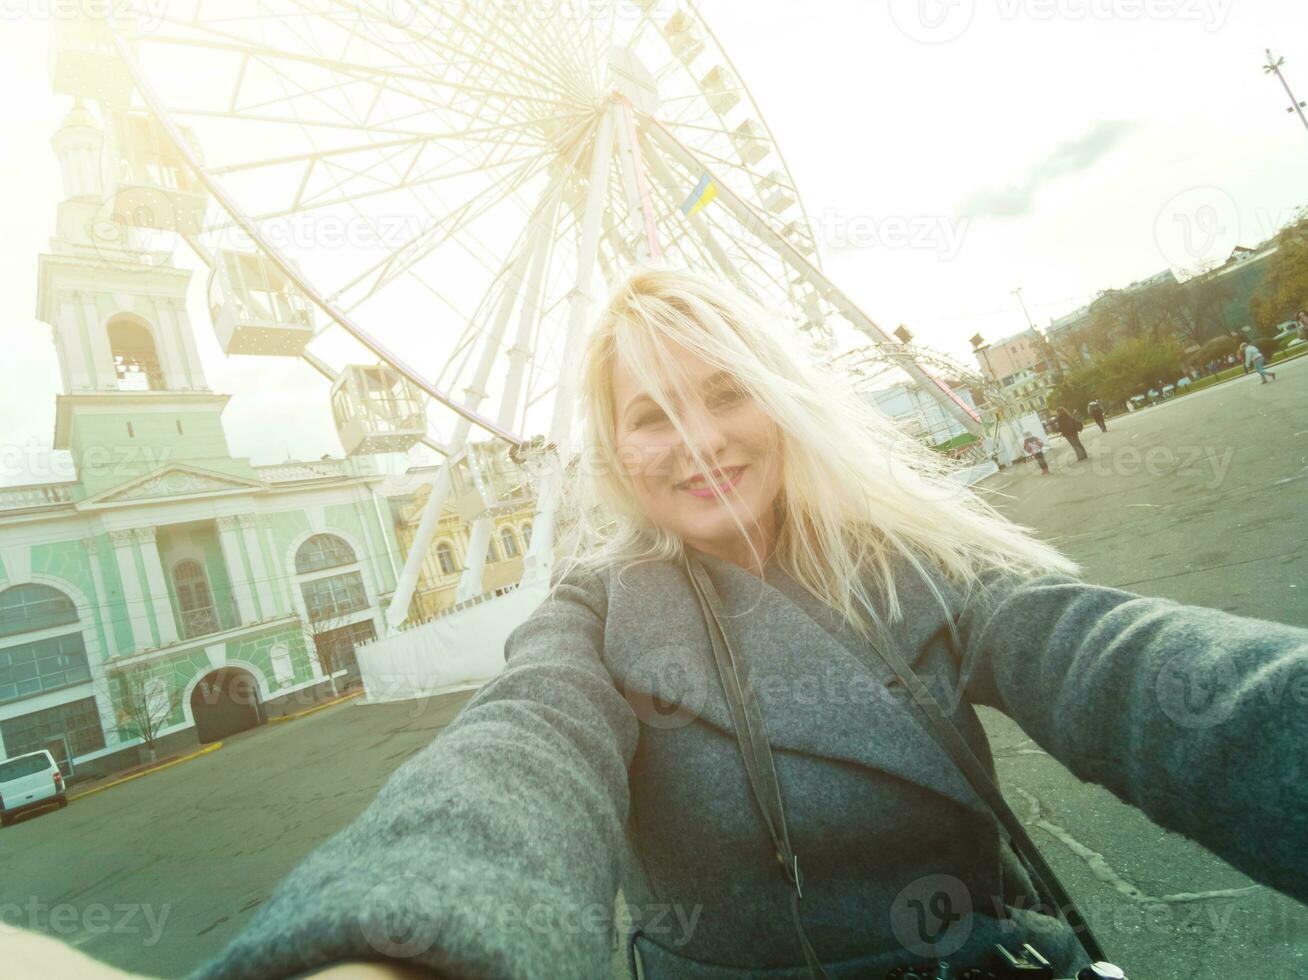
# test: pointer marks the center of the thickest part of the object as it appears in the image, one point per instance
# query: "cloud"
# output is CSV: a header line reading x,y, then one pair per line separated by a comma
x,y
1072,157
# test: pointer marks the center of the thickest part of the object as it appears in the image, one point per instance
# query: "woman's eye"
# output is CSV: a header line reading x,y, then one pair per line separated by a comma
x,y
731,395
650,418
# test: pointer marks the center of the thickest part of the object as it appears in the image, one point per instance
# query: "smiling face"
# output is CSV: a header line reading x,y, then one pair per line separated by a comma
x,y
739,444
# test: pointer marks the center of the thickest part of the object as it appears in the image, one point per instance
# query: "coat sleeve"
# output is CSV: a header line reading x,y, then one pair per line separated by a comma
x,y
495,851
1196,716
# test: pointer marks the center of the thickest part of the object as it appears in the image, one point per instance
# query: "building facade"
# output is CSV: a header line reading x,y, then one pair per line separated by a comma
x,y
173,592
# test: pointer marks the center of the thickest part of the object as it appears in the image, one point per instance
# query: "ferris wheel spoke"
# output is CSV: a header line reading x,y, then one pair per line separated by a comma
x,y
422,244
565,69
362,72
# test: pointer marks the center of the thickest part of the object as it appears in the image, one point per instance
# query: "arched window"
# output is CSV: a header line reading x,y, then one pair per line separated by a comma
x,y
492,552
28,608
323,551
445,555
52,659
509,541
136,362
327,598
526,534
194,600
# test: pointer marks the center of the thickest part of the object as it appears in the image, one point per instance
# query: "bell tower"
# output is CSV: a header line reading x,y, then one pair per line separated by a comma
x,y
134,393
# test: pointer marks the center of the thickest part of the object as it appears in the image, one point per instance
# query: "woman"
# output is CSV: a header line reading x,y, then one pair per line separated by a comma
x,y
604,755
1071,430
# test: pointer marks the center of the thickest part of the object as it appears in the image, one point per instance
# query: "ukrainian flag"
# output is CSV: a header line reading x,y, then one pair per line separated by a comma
x,y
700,198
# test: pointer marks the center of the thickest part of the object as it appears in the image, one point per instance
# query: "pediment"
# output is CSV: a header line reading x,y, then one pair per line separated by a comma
x,y
173,481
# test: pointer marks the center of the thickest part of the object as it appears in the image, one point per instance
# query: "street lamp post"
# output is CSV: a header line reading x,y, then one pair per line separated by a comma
x,y
1273,67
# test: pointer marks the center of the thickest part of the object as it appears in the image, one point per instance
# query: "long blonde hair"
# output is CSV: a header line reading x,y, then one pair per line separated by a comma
x,y
857,491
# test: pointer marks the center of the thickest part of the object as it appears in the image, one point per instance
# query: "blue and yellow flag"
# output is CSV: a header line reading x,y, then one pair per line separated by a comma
x,y
700,198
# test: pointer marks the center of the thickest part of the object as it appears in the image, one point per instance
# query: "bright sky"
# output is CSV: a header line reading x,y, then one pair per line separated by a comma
x,y
948,152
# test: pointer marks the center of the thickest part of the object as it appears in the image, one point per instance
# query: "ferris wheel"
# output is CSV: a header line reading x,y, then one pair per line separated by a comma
x,y
420,199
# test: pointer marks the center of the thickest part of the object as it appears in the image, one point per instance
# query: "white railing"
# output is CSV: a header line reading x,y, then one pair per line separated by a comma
x,y
46,495
291,472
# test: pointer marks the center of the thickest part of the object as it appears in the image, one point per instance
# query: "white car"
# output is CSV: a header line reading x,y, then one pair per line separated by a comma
x,y
29,781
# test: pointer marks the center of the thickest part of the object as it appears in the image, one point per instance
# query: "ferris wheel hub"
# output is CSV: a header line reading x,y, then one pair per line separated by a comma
x,y
632,80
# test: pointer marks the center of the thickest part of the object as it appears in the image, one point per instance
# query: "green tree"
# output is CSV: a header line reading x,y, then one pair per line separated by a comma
x,y
1285,289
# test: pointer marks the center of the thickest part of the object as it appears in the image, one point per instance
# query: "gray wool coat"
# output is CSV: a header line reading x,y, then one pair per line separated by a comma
x,y
604,756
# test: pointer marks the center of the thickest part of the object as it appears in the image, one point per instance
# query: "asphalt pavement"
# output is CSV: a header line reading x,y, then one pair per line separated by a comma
x,y
1202,500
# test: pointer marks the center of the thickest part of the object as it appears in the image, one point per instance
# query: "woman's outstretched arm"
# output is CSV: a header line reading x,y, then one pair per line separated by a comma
x,y
1196,716
496,850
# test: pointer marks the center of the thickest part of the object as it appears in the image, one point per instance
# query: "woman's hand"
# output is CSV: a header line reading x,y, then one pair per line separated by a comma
x,y
27,953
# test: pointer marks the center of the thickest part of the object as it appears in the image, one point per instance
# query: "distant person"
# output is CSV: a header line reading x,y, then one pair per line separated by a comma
x,y
1301,318
1253,356
1036,450
1097,413
1071,430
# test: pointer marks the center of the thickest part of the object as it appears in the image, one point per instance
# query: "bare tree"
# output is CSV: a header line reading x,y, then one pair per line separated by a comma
x,y
146,700
323,648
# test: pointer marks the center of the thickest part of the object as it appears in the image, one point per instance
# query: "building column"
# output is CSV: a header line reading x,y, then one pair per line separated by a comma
x,y
102,358
280,576
104,702
230,542
176,321
134,599
264,596
109,646
158,585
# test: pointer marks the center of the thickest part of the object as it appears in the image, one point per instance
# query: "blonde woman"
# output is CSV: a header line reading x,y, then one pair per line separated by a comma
x,y
606,754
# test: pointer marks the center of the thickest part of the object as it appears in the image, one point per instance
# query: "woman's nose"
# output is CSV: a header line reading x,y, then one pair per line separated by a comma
x,y
704,432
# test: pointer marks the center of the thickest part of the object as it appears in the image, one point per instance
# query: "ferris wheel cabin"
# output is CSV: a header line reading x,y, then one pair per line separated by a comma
x,y
684,37
85,64
256,308
154,187
722,89
750,141
377,410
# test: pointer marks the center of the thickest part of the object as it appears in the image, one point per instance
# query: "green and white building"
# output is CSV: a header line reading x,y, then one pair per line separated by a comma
x,y
171,579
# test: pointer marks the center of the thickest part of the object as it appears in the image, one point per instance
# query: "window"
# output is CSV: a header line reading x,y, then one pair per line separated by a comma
x,y
510,542
445,555
28,608
78,721
136,362
43,665
28,765
194,600
333,596
323,551
526,534
492,553
335,648
262,292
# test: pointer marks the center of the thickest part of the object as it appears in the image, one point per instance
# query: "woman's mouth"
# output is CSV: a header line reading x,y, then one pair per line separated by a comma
x,y
703,489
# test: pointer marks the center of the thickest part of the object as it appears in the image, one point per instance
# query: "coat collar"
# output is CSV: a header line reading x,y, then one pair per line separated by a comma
x,y
822,690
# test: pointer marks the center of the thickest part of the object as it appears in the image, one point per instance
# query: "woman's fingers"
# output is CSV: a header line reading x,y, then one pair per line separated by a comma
x,y
27,953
